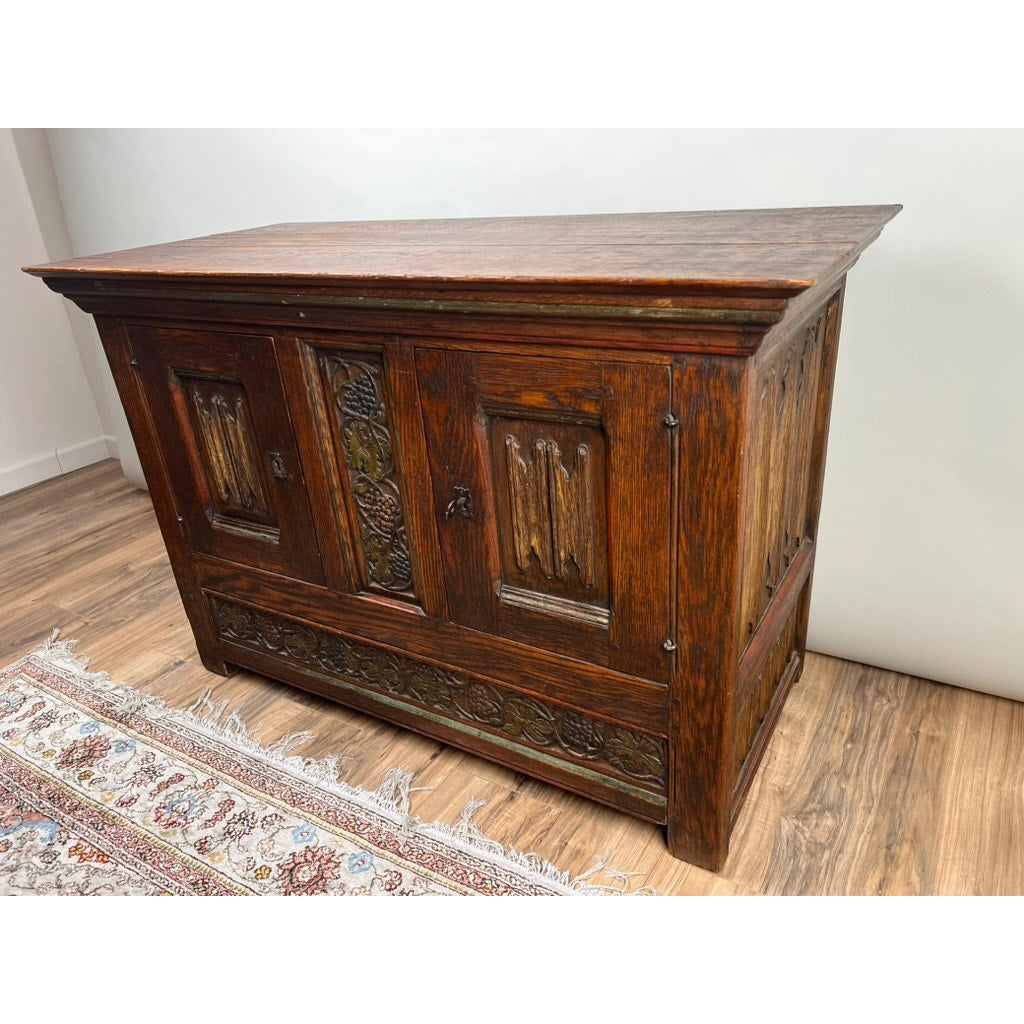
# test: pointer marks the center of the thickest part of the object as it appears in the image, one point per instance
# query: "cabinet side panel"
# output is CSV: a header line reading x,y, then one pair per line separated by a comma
x,y
776,521
791,397
782,662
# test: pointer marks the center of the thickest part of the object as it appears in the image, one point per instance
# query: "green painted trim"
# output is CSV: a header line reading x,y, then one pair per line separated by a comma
x,y
579,310
644,795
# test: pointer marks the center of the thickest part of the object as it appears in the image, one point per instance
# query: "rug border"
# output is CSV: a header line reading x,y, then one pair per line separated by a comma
x,y
391,799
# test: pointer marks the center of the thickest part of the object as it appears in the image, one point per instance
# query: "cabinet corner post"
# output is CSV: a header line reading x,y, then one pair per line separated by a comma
x,y
709,395
123,363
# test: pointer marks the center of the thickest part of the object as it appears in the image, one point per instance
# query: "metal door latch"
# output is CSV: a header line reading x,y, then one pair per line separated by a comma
x,y
277,466
461,504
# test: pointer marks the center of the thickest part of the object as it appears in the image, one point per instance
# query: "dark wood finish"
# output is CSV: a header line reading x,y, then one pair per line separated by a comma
x,y
488,714
543,488
598,691
756,252
527,555
792,379
709,396
485,327
148,443
229,447
872,782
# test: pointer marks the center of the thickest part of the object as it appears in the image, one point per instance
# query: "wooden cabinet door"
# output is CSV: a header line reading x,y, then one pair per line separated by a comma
x,y
218,405
552,487
354,395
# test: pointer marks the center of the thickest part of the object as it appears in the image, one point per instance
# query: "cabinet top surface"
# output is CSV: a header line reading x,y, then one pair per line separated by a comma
x,y
778,251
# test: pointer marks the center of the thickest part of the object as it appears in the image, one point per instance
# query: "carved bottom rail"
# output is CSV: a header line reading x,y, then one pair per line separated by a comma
x,y
612,750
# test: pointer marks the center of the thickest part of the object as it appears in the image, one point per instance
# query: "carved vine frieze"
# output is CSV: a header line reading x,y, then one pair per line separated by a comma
x,y
562,731
232,457
357,399
552,508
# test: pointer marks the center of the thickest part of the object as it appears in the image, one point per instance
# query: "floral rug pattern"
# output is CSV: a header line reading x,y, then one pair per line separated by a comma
x,y
106,791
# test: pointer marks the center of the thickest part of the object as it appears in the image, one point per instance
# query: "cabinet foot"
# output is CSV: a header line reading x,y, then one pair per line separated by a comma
x,y
212,663
709,854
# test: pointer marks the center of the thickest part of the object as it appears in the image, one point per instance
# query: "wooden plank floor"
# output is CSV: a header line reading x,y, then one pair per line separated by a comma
x,y
874,782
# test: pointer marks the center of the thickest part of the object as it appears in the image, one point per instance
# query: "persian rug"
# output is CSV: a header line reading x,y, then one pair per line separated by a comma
x,y
106,790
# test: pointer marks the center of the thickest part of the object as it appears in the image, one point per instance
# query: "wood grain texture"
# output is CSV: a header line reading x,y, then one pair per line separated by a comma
x,y
118,348
783,421
362,438
571,327
873,782
629,535
552,510
220,417
729,254
171,365
481,713
602,691
472,403
791,381
709,395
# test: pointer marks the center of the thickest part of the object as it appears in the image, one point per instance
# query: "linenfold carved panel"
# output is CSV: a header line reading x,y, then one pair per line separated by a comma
x,y
516,716
227,447
550,511
777,515
356,397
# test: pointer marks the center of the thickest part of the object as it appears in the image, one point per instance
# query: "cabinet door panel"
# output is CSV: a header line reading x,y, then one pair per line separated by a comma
x,y
228,444
551,491
359,421
355,404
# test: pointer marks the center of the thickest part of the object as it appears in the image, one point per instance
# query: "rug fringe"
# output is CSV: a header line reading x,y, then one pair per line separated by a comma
x,y
219,720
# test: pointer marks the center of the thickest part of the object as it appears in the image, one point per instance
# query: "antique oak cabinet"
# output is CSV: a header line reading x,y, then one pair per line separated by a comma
x,y
543,488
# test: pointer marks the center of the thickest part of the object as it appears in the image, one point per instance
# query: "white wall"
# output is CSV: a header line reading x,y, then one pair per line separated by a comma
x,y
49,423
921,564
37,168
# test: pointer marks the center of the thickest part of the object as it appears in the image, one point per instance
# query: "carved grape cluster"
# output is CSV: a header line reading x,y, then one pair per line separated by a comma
x,y
382,509
372,473
400,566
360,397
579,734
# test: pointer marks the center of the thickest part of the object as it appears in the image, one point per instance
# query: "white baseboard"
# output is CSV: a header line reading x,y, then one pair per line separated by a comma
x,y
78,456
16,476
